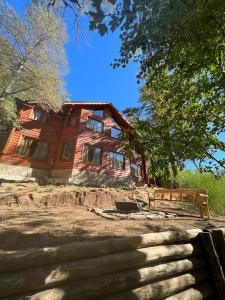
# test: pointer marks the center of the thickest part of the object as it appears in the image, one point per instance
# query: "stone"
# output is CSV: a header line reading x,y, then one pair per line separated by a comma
x,y
169,216
154,217
136,217
161,213
97,211
108,216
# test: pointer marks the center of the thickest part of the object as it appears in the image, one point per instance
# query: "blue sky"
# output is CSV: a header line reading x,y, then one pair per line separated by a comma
x,y
91,77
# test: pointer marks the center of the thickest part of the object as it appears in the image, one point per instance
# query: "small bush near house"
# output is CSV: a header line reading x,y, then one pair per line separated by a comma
x,y
214,184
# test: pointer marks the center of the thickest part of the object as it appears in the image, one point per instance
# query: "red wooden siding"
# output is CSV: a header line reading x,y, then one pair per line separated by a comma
x,y
102,140
57,131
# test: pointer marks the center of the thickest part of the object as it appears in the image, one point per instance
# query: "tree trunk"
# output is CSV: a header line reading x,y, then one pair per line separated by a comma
x,y
144,169
174,171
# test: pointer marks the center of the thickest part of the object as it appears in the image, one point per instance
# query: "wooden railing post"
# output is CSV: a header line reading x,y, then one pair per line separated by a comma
x,y
214,264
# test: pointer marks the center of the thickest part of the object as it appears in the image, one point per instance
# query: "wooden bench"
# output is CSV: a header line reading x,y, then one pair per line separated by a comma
x,y
198,196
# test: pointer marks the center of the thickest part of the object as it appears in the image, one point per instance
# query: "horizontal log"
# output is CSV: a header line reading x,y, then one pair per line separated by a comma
x,y
199,292
23,259
22,282
161,289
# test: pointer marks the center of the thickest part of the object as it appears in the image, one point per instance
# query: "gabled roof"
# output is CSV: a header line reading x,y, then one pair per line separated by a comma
x,y
116,114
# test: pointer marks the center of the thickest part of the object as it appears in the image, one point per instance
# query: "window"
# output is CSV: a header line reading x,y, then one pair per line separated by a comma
x,y
36,115
24,147
117,160
73,120
135,169
40,115
97,112
95,125
33,149
67,151
92,154
115,133
40,151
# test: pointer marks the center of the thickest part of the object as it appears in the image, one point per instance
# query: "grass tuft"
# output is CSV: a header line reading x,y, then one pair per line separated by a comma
x,y
214,184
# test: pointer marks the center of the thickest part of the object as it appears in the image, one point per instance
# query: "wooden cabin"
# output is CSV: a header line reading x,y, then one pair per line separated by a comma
x,y
80,144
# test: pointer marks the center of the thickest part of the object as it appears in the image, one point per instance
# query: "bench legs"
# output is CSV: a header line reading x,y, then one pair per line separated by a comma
x,y
204,209
151,202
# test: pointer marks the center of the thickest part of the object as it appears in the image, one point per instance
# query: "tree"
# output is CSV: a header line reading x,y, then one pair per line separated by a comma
x,y
32,59
172,130
151,140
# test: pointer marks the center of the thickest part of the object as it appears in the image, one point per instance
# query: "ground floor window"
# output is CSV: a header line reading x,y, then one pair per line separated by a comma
x,y
33,148
92,154
135,169
67,151
117,160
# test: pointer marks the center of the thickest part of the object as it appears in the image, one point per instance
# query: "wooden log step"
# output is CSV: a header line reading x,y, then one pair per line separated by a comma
x,y
198,292
23,282
23,259
157,290
161,289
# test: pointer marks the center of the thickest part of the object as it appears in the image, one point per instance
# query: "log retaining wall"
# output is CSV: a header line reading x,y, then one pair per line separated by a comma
x,y
166,265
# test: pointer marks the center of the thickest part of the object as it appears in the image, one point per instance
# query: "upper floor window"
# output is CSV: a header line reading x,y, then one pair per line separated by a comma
x,y
117,160
95,125
135,169
36,115
39,115
115,133
67,151
97,112
92,154
33,149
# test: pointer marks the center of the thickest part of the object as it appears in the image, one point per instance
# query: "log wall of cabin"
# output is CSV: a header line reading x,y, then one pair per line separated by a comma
x,y
58,131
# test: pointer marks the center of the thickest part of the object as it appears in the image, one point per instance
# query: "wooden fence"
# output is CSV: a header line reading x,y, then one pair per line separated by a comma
x,y
168,265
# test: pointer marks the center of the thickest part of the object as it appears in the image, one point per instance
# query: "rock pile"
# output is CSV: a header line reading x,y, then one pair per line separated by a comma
x,y
140,215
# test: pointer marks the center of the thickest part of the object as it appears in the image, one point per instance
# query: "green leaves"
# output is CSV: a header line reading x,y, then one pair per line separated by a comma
x,y
32,59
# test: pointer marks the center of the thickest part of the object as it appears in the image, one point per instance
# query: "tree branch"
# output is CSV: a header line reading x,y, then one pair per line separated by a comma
x,y
216,160
3,96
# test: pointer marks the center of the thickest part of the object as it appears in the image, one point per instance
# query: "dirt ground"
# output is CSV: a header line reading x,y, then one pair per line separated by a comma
x,y
29,226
